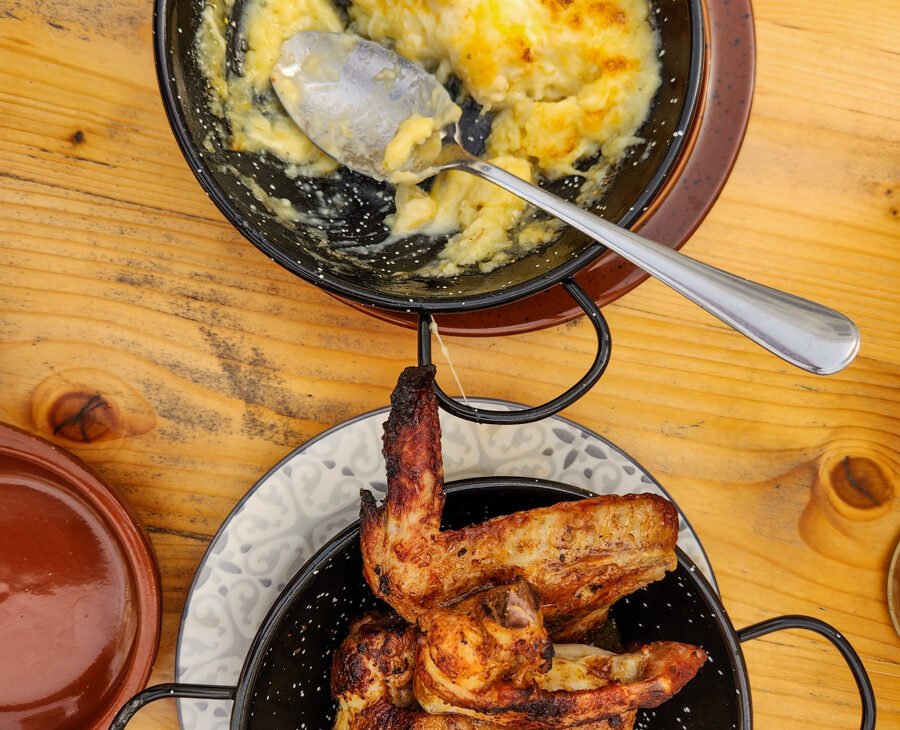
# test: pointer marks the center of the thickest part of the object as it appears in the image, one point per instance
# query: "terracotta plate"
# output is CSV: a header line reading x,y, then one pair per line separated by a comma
x,y
709,156
79,592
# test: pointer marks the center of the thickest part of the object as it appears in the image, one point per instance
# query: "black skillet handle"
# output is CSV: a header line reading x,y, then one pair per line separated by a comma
x,y
780,623
159,691
536,413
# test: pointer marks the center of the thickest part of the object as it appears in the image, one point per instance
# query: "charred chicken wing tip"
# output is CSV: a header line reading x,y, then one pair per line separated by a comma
x,y
415,383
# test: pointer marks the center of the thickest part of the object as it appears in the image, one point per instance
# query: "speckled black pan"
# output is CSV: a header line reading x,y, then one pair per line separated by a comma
x,y
339,251
284,684
363,203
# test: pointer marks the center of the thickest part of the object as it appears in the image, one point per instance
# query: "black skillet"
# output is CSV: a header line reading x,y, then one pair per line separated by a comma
x,y
338,253
284,683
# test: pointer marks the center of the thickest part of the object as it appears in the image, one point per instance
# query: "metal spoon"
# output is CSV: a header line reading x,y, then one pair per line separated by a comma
x,y
350,96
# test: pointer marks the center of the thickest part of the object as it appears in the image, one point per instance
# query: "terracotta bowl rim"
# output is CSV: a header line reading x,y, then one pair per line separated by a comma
x,y
128,531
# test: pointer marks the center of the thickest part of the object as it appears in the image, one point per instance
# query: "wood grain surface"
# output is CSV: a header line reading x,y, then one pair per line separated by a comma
x,y
118,276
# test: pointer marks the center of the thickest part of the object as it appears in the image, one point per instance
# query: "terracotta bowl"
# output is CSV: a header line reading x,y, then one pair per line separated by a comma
x,y
79,591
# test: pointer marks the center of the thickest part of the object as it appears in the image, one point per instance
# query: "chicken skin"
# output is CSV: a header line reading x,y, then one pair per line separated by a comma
x,y
579,556
489,658
485,650
372,681
489,621
373,664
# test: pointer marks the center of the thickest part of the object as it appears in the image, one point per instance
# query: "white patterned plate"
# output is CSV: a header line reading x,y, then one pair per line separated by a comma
x,y
314,492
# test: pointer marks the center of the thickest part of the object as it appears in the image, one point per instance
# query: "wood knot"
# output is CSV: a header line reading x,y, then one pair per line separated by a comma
x,y
860,483
82,416
88,406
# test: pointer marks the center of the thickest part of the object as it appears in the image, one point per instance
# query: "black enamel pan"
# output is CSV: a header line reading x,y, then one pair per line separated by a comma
x,y
320,253
284,683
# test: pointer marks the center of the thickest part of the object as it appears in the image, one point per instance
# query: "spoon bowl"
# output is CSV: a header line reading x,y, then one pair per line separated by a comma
x,y
352,98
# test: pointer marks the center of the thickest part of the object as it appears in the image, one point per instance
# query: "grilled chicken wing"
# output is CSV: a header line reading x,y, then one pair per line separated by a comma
x,y
489,657
384,716
371,679
580,556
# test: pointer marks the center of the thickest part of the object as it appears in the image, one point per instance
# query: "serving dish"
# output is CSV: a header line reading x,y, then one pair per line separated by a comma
x,y
284,681
694,183
300,248
313,493
893,589
319,252
79,591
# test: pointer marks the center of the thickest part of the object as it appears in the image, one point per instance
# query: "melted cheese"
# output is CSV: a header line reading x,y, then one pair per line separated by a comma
x,y
413,133
411,155
482,213
566,81
565,77
246,101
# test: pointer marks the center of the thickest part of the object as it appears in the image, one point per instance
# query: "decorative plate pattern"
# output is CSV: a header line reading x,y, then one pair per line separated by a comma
x,y
314,492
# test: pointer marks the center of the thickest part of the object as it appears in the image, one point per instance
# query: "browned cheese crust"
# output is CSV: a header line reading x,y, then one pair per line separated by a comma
x,y
580,556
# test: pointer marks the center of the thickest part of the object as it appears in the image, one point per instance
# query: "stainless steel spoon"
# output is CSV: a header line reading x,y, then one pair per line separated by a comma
x,y
350,96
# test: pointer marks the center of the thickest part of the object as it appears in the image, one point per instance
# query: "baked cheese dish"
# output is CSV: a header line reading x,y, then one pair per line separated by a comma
x,y
568,83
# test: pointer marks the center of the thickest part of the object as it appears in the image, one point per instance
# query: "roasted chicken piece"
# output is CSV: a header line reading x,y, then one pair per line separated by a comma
x,y
580,556
373,664
489,657
371,679
485,651
385,716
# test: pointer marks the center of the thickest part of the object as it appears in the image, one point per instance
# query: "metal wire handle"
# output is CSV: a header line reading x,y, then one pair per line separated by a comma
x,y
535,413
780,623
161,691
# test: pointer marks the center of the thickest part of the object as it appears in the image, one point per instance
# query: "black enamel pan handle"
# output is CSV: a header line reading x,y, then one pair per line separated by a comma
x,y
160,691
780,623
536,413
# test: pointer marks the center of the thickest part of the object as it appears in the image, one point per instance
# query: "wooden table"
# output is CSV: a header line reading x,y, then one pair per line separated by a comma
x,y
119,274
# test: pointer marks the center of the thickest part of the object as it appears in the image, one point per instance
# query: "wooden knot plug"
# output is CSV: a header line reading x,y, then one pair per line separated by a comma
x,y
88,406
853,514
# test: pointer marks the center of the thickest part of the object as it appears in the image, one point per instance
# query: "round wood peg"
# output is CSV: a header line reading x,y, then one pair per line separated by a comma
x,y
853,514
88,405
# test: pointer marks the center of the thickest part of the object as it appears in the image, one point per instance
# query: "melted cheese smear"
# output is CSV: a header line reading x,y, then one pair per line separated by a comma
x,y
416,146
565,80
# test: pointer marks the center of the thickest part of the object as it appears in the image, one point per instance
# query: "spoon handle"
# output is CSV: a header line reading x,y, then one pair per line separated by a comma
x,y
808,335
